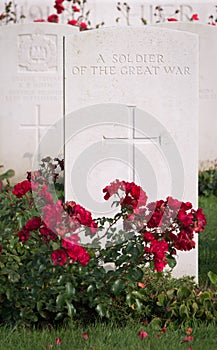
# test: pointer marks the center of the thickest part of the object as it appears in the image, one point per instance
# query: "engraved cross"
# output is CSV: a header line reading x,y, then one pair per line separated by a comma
x,y
38,126
133,139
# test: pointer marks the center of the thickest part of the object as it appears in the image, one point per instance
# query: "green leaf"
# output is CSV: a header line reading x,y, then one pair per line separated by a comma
x,y
39,308
117,286
171,262
183,310
9,294
213,278
60,301
129,247
135,274
137,295
55,245
194,307
71,309
101,310
156,323
183,293
205,296
59,316
129,300
13,276
162,300
91,289
138,305
70,290
7,175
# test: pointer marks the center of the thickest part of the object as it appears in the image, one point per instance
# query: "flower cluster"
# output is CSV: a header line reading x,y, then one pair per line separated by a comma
x,y
75,11
21,188
73,251
166,226
60,223
134,196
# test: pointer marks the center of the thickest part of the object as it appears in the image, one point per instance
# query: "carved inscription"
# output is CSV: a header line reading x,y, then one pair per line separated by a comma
x,y
148,64
32,89
37,52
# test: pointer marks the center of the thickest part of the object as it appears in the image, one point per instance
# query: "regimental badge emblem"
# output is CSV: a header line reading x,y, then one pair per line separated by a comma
x,y
37,52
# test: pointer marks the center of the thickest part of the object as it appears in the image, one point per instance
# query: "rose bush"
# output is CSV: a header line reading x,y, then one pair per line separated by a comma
x,y
73,12
48,274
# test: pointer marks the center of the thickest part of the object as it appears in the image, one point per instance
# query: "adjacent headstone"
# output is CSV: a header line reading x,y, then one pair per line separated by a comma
x,y
31,94
131,113
106,10
207,85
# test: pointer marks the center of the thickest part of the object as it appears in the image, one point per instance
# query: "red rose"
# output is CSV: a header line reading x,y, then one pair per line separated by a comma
x,y
34,186
184,218
68,243
148,237
85,336
59,257
0,249
93,227
158,205
155,220
128,203
21,188
111,189
53,18
58,341
76,253
173,204
84,258
33,224
83,215
195,17
172,19
186,206
200,222
75,8
47,234
24,235
39,20
159,250
159,265
73,22
184,242
52,214
189,338
142,334
83,25
45,194
59,6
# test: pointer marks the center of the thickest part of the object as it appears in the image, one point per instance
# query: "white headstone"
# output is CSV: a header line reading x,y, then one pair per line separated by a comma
x,y
31,94
207,85
131,113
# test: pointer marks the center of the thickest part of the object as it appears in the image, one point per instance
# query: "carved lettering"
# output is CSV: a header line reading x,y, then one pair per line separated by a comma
x,y
177,70
128,64
137,58
100,59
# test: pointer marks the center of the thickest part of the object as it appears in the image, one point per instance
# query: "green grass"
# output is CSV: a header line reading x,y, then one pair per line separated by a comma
x,y
108,337
208,239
